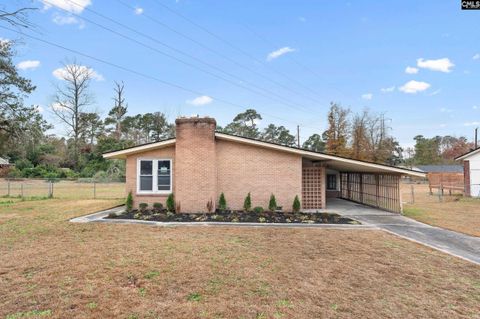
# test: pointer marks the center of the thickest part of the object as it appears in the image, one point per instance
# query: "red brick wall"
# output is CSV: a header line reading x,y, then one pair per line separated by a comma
x,y
244,168
131,173
195,169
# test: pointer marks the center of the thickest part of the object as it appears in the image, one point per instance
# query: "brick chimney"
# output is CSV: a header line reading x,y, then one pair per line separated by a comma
x,y
195,163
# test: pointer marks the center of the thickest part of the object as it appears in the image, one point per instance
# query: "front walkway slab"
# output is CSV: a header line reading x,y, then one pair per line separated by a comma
x,y
457,244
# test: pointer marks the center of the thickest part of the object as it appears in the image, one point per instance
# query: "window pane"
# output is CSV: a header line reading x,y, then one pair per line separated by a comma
x,y
146,167
163,187
163,165
164,180
146,183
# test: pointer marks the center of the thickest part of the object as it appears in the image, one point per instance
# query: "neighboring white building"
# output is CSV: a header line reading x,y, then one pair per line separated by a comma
x,y
471,171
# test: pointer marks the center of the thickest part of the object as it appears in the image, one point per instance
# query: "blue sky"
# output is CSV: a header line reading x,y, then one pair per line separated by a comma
x,y
352,52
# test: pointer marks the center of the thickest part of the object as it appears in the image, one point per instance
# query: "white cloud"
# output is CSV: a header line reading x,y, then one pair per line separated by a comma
x,y
201,100
388,90
476,56
74,6
445,110
4,40
39,108
441,65
367,96
57,106
471,123
435,92
475,107
278,53
411,70
67,20
62,74
138,11
412,87
28,65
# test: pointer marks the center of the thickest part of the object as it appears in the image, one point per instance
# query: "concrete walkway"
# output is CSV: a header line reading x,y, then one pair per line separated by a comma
x,y
457,244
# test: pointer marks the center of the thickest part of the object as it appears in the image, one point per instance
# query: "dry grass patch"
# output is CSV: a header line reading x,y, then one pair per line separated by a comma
x,y
453,212
66,270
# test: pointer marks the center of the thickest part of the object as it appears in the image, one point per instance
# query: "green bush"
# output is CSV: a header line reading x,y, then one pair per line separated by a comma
x,y
171,203
158,206
272,204
222,202
247,204
258,209
129,202
143,206
296,204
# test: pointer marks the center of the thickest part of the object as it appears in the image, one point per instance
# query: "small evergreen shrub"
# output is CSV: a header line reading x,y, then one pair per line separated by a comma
x,y
158,206
272,204
129,202
247,204
296,204
258,209
143,206
222,202
170,203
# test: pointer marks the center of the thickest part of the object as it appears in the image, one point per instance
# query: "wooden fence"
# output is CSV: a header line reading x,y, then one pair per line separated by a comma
x,y
442,182
377,190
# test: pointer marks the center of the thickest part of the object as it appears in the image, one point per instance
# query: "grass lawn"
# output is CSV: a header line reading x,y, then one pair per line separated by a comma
x,y
454,212
50,268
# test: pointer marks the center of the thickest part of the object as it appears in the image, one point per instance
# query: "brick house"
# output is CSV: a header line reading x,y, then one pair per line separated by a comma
x,y
200,163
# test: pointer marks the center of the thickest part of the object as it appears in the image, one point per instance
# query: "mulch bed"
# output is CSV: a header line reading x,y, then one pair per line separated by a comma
x,y
237,217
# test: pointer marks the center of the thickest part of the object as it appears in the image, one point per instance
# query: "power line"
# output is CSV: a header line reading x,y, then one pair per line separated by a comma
x,y
296,61
132,71
277,98
230,44
200,44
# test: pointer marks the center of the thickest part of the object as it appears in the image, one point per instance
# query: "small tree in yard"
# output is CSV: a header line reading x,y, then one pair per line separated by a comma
x,y
272,204
247,204
129,202
222,202
296,204
170,203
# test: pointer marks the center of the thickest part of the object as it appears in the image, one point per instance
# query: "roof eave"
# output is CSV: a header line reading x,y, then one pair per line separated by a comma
x,y
122,154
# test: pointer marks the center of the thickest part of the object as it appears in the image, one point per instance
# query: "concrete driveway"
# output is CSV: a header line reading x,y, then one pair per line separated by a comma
x,y
457,244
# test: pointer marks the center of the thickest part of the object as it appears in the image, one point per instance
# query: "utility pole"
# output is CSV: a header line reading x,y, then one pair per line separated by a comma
x,y
298,136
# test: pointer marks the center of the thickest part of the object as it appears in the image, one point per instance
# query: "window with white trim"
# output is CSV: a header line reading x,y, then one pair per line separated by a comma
x,y
154,176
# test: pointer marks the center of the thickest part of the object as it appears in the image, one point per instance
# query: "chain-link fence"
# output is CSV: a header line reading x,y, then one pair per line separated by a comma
x,y
62,188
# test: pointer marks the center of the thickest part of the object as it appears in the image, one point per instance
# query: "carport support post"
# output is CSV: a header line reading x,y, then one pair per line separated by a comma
x,y
361,187
377,188
413,194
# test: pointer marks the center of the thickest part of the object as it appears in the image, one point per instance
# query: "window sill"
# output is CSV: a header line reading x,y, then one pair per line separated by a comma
x,y
153,194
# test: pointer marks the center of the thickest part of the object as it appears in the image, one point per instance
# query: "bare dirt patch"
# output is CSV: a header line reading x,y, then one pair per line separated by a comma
x,y
56,269
452,212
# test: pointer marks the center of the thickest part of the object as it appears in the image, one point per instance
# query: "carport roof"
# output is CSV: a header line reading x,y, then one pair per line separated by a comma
x,y
332,161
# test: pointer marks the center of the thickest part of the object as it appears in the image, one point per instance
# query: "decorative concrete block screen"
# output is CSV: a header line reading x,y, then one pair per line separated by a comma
x,y
313,188
377,190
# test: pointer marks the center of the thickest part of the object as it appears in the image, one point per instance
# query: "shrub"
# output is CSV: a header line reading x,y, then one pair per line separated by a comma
x,y
178,207
171,203
143,206
210,206
296,204
158,206
258,209
222,202
129,202
272,204
247,204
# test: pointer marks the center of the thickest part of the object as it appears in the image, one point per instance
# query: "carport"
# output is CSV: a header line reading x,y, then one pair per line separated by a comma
x,y
325,177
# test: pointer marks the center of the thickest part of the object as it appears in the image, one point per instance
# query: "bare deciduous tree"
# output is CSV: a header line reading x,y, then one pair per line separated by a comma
x,y
118,111
16,18
71,100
